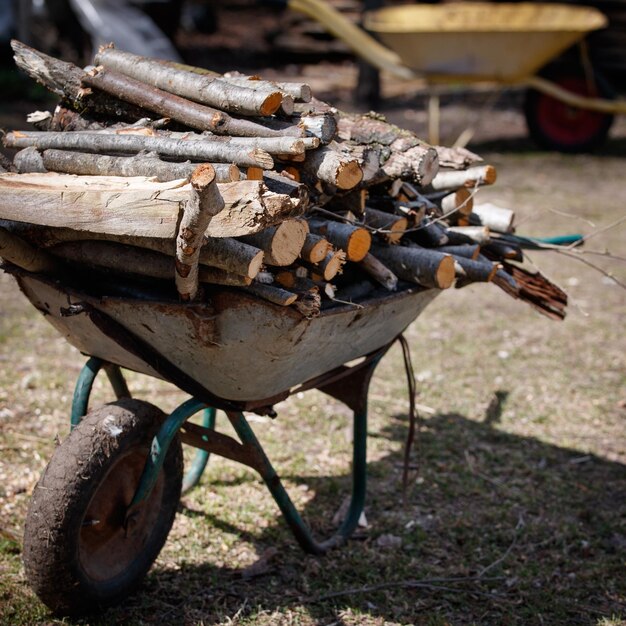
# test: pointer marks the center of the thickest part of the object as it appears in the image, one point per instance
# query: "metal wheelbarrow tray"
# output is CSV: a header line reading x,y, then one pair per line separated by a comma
x,y
238,347
505,43
104,506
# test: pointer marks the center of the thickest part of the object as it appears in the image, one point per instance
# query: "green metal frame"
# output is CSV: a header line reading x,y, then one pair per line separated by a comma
x,y
348,384
80,405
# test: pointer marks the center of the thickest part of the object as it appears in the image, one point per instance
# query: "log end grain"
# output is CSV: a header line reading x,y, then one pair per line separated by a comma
x,y
428,167
490,175
397,229
272,103
349,174
358,245
202,176
254,173
445,273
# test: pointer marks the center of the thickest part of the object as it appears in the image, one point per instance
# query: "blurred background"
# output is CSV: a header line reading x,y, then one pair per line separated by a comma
x,y
270,39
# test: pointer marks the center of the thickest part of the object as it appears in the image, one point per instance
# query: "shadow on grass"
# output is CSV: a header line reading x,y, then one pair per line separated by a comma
x,y
539,531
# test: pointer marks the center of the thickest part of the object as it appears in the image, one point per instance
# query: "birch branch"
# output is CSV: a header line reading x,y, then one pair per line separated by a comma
x,y
205,150
210,90
82,163
65,80
192,114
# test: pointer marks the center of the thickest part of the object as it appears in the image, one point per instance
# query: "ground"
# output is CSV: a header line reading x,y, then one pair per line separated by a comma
x,y
518,511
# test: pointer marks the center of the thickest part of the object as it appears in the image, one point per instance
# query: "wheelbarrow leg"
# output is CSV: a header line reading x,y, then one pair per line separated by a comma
x,y
201,458
84,385
295,522
350,385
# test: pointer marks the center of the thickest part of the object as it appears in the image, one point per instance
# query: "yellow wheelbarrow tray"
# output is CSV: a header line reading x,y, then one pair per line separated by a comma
x,y
469,42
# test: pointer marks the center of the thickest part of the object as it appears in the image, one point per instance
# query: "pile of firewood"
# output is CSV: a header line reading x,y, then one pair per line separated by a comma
x,y
156,171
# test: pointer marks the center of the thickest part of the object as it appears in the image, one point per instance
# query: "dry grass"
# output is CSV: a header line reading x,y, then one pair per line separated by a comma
x,y
521,461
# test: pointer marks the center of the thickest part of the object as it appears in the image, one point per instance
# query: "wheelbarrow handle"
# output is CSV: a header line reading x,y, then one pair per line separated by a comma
x,y
360,42
612,107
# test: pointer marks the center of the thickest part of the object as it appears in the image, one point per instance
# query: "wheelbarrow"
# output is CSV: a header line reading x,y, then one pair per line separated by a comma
x,y
102,510
507,44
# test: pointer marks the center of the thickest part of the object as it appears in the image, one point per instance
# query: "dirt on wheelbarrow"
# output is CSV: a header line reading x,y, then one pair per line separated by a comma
x,y
516,514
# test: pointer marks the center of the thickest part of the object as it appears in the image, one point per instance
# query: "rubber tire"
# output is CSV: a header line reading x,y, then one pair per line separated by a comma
x,y
64,493
537,105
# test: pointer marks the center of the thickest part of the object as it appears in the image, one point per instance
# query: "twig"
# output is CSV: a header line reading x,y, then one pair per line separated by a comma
x,y
518,532
383,231
604,253
570,215
597,232
575,255
430,583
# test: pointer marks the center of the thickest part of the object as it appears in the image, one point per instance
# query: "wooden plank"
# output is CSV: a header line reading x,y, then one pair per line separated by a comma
x,y
135,206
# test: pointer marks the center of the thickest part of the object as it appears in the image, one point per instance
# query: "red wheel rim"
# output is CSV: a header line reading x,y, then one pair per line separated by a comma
x,y
565,124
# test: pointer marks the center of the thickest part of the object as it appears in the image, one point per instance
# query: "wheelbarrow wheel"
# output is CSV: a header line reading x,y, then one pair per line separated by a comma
x,y
554,125
80,552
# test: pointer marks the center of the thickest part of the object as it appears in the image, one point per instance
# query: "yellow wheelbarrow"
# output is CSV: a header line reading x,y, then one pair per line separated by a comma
x,y
502,43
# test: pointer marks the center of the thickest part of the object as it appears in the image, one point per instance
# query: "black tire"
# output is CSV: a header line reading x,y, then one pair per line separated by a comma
x,y
553,125
77,555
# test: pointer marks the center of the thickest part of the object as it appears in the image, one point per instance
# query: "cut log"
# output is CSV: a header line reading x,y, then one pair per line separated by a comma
x,y
469,251
205,201
352,202
205,150
276,295
330,265
123,259
285,185
211,90
430,234
67,119
503,250
82,163
413,214
408,195
254,173
19,252
468,234
416,163
280,145
29,160
353,240
472,271
225,253
369,159
135,206
322,126
315,248
64,79
309,302
330,166
298,91
405,155
379,272
281,244
192,114
456,158
458,202
291,278
423,266
472,177
496,218
390,227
